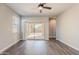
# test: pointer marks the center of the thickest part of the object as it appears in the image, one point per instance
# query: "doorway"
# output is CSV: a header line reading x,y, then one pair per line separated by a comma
x,y
34,30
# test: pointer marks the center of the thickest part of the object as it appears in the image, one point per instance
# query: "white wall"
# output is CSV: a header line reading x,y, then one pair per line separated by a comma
x,y
67,30
39,19
7,37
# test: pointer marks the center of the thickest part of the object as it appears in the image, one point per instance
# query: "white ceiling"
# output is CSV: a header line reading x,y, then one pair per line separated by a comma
x,y
31,9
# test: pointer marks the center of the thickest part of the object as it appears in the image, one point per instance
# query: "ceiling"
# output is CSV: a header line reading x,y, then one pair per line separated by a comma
x,y
31,9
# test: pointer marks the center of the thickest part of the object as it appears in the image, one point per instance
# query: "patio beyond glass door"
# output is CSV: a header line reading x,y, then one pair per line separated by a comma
x,y
34,30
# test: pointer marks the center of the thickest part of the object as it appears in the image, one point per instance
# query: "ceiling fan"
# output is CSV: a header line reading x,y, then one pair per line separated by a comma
x,y
43,6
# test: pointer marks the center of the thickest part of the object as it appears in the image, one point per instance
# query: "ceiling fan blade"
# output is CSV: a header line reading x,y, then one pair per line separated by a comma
x,y
47,7
41,4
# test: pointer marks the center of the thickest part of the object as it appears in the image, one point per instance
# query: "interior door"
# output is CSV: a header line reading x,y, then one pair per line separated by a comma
x,y
34,30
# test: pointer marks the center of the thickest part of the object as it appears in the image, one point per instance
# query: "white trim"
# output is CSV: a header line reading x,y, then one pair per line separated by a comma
x,y
1,51
68,45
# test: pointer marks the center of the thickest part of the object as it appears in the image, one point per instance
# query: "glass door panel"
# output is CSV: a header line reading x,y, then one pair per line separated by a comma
x,y
34,30
39,30
29,31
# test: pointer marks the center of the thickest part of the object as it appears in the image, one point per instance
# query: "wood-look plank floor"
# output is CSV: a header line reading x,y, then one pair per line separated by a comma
x,y
40,47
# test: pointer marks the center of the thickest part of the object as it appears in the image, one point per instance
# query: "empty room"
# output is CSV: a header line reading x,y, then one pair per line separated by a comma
x,y
39,29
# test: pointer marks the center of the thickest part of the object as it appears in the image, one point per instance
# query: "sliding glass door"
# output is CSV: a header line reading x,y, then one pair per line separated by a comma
x,y
34,30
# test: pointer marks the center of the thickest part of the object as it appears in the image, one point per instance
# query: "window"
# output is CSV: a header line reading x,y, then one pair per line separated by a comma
x,y
15,23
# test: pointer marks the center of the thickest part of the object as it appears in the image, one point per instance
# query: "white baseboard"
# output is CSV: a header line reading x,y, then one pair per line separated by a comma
x,y
68,45
1,51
